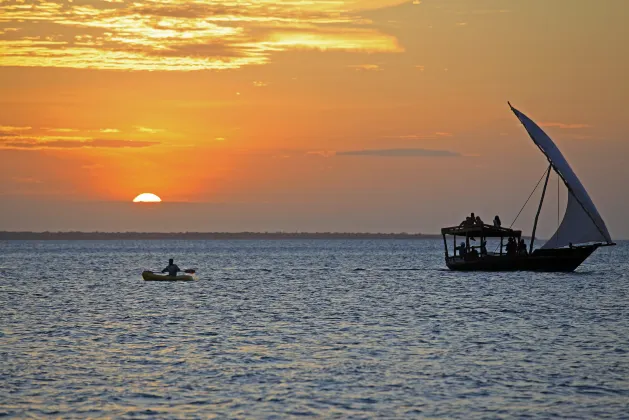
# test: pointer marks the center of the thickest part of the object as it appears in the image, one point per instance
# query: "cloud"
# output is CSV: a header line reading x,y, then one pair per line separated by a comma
x,y
9,130
349,40
121,143
63,130
321,153
365,67
26,180
182,36
489,11
33,138
26,143
399,153
13,128
580,137
433,136
564,126
149,130
19,131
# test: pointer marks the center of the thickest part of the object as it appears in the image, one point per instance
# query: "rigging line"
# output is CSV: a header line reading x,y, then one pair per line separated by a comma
x,y
527,200
525,203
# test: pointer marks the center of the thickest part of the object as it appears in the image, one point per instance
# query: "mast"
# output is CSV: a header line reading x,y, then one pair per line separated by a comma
x,y
539,209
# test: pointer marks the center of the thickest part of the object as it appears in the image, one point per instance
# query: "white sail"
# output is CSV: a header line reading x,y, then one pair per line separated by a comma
x,y
576,227
582,223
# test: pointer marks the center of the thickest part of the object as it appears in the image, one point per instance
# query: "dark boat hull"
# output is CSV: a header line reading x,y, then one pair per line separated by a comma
x,y
560,260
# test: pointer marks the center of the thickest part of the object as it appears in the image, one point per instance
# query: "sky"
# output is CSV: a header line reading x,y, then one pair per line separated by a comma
x,y
292,115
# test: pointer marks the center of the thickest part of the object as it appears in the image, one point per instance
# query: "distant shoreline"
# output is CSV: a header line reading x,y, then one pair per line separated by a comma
x,y
100,236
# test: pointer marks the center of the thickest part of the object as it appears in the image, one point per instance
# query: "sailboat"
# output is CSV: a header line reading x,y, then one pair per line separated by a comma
x,y
581,232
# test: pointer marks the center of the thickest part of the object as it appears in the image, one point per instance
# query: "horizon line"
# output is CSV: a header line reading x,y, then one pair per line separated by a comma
x,y
199,235
17,235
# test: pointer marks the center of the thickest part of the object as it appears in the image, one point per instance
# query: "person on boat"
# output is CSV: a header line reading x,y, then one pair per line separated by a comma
x,y
462,250
469,221
522,247
497,222
483,247
473,254
172,268
478,221
511,246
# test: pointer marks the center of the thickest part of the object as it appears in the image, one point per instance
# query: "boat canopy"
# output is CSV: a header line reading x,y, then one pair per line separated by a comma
x,y
581,223
482,231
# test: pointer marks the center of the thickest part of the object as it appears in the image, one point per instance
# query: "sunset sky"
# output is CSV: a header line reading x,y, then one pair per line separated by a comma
x,y
331,115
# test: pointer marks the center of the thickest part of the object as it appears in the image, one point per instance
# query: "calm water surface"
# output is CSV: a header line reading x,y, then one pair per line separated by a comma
x,y
357,329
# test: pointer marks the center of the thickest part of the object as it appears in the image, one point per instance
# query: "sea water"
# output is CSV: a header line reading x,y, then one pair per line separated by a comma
x,y
345,329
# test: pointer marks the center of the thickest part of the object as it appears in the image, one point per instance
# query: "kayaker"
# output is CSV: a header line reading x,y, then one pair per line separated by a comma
x,y
172,268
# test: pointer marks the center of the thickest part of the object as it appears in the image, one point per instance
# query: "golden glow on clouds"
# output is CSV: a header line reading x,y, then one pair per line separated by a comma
x,y
29,138
564,125
177,35
365,67
149,130
10,129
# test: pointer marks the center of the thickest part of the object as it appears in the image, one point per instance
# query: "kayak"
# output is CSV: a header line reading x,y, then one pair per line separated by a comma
x,y
150,276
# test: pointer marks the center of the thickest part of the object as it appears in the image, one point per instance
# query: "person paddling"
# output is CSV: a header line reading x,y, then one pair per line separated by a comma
x,y
172,268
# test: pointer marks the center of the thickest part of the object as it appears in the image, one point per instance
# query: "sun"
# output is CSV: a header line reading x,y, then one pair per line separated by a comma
x,y
147,198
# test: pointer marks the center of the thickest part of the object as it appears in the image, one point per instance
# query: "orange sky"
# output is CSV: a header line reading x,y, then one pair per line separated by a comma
x,y
273,115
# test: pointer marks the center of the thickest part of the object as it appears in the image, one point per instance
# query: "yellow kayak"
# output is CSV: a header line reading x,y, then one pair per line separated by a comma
x,y
150,276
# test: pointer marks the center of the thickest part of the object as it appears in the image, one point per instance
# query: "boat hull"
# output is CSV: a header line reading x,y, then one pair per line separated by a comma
x,y
150,276
551,260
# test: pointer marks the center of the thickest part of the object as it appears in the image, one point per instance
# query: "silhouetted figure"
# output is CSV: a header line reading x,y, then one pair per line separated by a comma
x,y
469,221
511,247
478,221
497,222
462,250
483,247
522,248
172,268
473,254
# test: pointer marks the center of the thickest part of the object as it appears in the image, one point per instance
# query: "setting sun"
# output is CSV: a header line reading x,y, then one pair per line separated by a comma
x,y
147,198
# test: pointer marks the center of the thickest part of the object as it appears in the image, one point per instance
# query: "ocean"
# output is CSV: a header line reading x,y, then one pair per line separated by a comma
x,y
319,328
